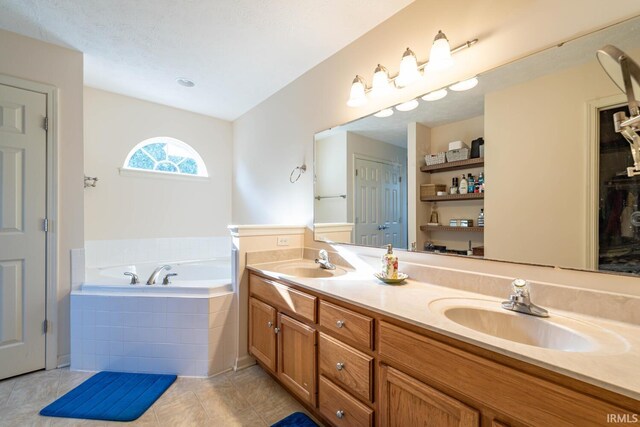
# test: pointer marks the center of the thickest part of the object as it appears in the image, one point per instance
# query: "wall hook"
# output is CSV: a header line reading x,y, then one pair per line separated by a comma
x,y
90,181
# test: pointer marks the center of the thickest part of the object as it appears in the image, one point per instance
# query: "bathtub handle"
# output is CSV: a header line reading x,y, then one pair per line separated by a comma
x,y
134,278
166,279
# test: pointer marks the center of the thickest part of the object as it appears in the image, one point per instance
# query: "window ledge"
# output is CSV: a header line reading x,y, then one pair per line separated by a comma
x,y
139,173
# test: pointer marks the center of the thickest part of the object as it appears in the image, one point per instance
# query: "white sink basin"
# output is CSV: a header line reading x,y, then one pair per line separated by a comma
x,y
307,269
554,333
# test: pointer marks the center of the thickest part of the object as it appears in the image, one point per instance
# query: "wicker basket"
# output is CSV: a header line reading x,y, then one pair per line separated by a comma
x,y
457,155
434,159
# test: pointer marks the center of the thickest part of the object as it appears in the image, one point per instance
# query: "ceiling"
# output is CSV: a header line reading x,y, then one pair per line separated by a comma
x,y
458,106
238,52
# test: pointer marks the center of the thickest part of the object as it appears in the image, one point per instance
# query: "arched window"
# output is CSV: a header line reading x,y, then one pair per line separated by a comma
x,y
165,155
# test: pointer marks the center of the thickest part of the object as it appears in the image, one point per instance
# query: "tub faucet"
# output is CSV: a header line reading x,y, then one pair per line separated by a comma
x,y
156,273
323,260
520,300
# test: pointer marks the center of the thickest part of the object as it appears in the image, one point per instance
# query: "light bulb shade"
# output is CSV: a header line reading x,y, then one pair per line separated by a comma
x,y
358,96
409,72
384,113
465,84
380,85
408,106
440,56
435,95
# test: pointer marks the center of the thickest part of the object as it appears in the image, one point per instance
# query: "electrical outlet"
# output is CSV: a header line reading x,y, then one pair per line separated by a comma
x,y
283,241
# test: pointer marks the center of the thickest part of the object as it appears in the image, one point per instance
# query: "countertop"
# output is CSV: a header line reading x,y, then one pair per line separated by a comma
x,y
614,366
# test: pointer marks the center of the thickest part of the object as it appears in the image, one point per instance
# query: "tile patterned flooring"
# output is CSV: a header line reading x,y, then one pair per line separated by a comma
x,y
249,397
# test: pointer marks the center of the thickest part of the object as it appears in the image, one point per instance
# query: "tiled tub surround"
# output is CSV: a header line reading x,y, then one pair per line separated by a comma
x,y
182,335
609,368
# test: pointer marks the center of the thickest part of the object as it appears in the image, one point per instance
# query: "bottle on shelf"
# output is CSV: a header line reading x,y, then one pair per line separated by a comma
x,y
454,186
480,184
481,218
464,185
470,184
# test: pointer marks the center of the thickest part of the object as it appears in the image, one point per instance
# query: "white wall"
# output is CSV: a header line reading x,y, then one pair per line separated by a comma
x,y
331,178
277,135
135,207
41,62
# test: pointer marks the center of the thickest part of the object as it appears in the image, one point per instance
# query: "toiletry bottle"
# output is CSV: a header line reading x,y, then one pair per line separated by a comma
x,y
481,218
464,185
390,264
481,183
454,185
434,219
471,184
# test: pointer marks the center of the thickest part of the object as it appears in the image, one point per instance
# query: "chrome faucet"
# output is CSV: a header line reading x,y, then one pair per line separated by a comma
x,y
520,300
323,260
156,273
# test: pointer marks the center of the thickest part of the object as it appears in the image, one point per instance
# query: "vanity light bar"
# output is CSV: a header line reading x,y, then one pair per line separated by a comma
x,y
359,88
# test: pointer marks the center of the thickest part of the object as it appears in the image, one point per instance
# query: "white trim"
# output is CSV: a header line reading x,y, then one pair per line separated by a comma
x,y
332,227
144,173
244,362
592,176
265,230
51,260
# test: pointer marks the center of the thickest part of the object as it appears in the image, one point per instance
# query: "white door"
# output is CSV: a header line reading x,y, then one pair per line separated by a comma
x,y
378,204
22,238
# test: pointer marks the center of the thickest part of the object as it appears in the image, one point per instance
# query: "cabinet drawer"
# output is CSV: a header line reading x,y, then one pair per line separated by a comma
x,y
442,365
346,324
284,298
340,408
346,366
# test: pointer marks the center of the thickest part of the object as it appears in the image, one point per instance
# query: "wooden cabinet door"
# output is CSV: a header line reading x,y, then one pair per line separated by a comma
x,y
405,401
297,357
262,335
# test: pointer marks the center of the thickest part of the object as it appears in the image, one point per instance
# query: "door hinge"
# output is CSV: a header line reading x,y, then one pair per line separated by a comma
x,y
45,224
400,178
45,326
356,172
46,124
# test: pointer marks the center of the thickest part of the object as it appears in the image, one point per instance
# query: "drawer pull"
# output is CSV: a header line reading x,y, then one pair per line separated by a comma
x,y
269,324
276,330
339,366
340,323
340,414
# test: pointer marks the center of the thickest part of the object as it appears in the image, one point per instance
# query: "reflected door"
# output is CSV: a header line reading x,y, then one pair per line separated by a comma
x,y
22,238
378,207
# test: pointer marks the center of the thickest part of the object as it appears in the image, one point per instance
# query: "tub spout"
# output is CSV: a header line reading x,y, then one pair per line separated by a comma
x,y
159,269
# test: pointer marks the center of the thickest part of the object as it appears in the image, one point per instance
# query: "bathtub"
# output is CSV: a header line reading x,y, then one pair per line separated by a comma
x,y
202,278
188,327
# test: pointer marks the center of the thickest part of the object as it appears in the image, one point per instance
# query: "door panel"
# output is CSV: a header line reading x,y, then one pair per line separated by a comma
x,y
297,357
22,239
262,337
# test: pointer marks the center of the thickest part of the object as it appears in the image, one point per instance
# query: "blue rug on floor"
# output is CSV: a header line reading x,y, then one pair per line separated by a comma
x,y
297,419
111,396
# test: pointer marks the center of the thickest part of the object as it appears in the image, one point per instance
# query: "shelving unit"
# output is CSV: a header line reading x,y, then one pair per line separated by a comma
x,y
448,228
451,166
452,197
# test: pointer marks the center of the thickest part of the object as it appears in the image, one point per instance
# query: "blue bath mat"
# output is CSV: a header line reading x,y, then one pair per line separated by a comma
x,y
111,396
297,419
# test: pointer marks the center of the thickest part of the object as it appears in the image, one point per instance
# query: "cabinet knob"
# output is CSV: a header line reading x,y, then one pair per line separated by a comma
x,y
269,324
340,414
340,323
276,330
340,366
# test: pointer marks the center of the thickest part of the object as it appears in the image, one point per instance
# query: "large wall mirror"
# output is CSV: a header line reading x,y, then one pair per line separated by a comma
x,y
545,171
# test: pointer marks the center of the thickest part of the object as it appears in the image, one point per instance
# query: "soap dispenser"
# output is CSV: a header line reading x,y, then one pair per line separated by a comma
x,y
390,264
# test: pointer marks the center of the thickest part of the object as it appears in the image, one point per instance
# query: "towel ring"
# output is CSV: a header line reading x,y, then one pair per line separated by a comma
x,y
300,169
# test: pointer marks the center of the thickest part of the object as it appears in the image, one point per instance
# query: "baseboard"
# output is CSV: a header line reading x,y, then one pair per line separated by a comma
x,y
244,362
64,361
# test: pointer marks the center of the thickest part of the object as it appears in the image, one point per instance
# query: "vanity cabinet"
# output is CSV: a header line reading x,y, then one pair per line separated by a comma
x,y
354,367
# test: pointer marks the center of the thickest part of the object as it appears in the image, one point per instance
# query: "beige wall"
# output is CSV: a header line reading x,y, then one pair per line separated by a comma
x,y
277,135
546,164
33,60
138,207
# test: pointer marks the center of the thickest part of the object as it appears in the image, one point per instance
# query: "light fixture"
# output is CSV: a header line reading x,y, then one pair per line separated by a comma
x,y
408,106
464,84
384,113
185,82
440,56
358,96
435,95
409,71
381,85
